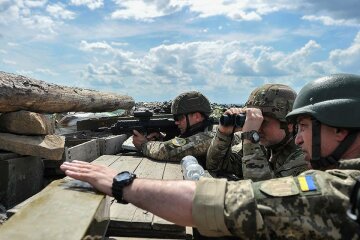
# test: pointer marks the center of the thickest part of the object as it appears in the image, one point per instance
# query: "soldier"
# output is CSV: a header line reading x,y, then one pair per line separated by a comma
x,y
310,206
267,149
191,112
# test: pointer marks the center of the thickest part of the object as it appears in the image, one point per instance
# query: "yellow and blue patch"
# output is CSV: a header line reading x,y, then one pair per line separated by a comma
x,y
307,183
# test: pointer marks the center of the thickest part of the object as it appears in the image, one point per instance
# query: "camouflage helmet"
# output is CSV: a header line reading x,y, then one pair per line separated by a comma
x,y
274,100
333,100
190,102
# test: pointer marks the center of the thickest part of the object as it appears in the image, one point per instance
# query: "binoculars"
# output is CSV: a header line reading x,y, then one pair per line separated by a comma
x,y
233,120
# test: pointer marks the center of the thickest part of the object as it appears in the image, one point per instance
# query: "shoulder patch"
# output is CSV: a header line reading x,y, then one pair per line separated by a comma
x,y
307,183
280,187
178,142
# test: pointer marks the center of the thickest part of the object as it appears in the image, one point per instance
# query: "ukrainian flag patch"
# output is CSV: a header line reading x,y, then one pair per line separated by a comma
x,y
307,183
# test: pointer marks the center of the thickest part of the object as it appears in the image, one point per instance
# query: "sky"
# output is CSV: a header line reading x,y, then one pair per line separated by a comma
x,y
155,50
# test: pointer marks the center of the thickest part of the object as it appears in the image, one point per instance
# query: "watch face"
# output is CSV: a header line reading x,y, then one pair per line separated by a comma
x,y
123,176
256,137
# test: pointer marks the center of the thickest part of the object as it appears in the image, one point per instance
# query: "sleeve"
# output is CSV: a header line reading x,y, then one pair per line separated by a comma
x,y
220,159
177,148
310,206
222,208
255,164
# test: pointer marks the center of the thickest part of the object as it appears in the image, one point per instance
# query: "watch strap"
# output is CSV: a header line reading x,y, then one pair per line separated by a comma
x,y
249,136
118,186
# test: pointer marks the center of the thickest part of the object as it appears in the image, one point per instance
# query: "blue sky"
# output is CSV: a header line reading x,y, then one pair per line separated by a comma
x,y
154,50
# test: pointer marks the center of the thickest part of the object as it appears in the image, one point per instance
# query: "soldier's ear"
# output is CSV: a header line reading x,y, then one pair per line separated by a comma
x,y
340,134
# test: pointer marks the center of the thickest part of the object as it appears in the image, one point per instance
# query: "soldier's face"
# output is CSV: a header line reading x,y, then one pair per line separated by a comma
x,y
304,137
330,138
193,119
270,132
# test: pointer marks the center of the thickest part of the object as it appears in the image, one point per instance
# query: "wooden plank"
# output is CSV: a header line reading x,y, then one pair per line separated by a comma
x,y
129,216
60,211
105,160
20,178
87,151
153,170
172,172
112,144
119,212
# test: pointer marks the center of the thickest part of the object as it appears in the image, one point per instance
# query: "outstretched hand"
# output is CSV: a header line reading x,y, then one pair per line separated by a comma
x,y
100,177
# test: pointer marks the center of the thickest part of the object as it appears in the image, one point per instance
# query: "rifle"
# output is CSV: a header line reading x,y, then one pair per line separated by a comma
x,y
146,123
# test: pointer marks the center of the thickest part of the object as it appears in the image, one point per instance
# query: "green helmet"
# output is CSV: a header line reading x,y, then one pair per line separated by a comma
x,y
274,100
332,100
190,102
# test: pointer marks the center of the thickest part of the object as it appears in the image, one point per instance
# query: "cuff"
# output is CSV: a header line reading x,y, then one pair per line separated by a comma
x,y
208,207
250,148
223,137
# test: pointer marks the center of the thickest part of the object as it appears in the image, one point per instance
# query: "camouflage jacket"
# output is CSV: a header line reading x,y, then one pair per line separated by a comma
x,y
177,148
312,205
252,161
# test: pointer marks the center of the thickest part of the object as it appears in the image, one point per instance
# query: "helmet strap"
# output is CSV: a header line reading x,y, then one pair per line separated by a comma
x,y
187,122
288,136
318,162
198,127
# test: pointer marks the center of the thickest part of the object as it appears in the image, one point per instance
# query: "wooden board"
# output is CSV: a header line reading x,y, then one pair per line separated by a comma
x,y
172,172
128,220
112,144
59,212
87,151
20,178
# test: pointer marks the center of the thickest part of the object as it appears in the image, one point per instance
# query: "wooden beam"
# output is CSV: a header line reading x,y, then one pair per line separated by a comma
x,y
23,93
60,212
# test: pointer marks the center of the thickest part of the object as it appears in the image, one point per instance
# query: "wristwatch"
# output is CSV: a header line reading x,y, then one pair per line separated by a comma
x,y
120,181
253,136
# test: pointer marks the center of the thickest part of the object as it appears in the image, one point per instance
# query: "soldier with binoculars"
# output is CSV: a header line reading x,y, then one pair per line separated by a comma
x,y
256,142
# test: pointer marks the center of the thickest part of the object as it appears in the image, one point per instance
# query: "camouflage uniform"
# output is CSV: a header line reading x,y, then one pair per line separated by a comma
x,y
194,141
278,208
177,148
251,160
312,205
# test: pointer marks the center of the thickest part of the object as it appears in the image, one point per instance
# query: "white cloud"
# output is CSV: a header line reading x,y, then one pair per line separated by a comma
x,y
349,58
58,11
46,71
328,21
12,44
85,46
212,64
9,62
39,22
9,13
337,10
239,10
91,4
35,3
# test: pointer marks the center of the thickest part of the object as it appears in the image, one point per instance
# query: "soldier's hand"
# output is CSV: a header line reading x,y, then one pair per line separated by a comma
x,y
100,177
254,119
138,139
227,130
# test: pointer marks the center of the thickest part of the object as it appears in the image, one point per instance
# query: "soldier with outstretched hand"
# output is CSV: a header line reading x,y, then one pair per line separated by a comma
x,y
310,206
